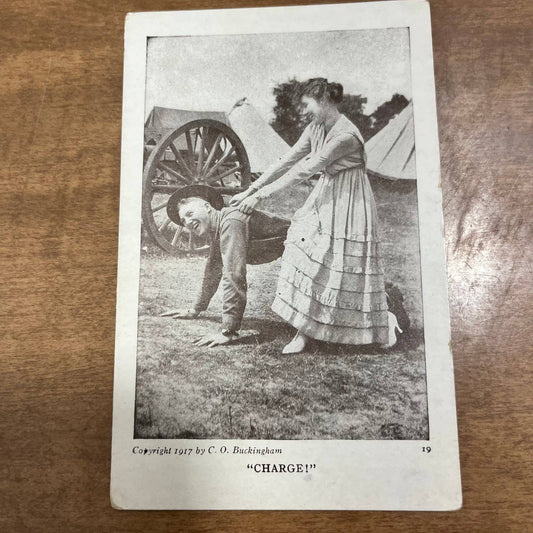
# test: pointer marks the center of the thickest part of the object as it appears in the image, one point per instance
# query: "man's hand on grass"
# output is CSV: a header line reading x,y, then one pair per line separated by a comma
x,y
214,339
182,313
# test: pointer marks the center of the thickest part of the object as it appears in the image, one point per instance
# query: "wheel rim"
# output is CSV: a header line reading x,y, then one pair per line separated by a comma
x,y
203,151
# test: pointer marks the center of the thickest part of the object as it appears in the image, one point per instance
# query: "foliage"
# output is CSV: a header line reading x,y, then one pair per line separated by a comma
x,y
381,116
352,106
289,122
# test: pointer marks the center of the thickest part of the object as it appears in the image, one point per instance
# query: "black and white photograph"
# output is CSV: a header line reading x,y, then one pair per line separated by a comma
x,y
280,290
281,287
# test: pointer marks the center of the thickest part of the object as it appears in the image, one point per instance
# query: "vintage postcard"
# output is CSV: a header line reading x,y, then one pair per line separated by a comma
x,y
282,334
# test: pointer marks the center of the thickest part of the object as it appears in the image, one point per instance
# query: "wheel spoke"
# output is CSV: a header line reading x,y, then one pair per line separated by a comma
x,y
177,235
212,153
196,135
179,158
172,172
190,149
201,152
159,207
165,224
219,162
224,174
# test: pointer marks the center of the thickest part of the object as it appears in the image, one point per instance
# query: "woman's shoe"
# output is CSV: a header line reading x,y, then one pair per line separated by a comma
x,y
393,327
297,345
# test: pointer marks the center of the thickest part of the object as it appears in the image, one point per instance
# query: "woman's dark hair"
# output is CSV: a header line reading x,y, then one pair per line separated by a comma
x,y
320,89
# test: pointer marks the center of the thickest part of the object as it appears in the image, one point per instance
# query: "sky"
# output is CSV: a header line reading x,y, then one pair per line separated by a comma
x,y
212,72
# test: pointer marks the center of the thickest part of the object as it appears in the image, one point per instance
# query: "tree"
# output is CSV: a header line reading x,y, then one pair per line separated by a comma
x,y
385,112
289,122
352,106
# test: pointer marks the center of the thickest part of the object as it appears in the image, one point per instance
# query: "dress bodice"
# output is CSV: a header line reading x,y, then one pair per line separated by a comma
x,y
320,140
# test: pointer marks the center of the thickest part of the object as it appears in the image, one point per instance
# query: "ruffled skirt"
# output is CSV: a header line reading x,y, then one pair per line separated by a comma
x,y
331,284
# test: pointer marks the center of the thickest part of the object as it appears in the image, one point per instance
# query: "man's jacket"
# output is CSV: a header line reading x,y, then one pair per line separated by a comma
x,y
238,239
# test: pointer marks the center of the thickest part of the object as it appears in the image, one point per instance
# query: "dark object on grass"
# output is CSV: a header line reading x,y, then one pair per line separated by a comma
x,y
269,233
395,303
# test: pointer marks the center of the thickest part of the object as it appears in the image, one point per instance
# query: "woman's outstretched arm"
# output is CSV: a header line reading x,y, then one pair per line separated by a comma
x,y
338,147
289,159
278,168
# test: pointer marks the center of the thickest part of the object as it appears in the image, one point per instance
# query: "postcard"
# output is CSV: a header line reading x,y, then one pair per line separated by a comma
x,y
282,329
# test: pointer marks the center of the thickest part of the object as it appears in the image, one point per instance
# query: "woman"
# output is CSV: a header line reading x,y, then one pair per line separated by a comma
x,y
331,285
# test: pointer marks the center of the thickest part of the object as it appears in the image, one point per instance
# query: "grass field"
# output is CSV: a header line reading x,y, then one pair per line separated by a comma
x,y
249,390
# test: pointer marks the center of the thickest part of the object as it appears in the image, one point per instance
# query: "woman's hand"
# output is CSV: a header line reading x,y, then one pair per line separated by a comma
x,y
249,204
238,198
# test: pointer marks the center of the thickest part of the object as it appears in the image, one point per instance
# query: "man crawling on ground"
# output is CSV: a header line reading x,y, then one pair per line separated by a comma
x,y
236,239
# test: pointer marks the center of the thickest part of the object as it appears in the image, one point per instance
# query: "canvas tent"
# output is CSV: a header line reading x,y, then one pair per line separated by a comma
x,y
391,152
263,145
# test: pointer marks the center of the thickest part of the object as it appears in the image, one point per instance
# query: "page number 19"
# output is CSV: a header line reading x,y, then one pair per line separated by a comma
x,y
426,449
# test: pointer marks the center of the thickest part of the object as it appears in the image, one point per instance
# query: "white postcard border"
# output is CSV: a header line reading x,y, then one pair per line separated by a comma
x,y
386,475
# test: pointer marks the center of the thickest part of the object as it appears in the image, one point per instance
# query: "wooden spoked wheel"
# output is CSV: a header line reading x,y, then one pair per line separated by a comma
x,y
200,152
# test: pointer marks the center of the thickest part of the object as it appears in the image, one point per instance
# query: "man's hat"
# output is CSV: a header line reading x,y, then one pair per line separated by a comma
x,y
210,195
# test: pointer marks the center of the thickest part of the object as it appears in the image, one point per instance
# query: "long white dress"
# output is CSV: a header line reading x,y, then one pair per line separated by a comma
x,y
331,284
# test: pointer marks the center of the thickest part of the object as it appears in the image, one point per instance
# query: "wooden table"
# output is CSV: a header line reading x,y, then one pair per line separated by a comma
x,y
60,136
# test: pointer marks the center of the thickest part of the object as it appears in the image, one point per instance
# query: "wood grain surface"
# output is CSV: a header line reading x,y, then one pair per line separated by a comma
x,y
61,90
